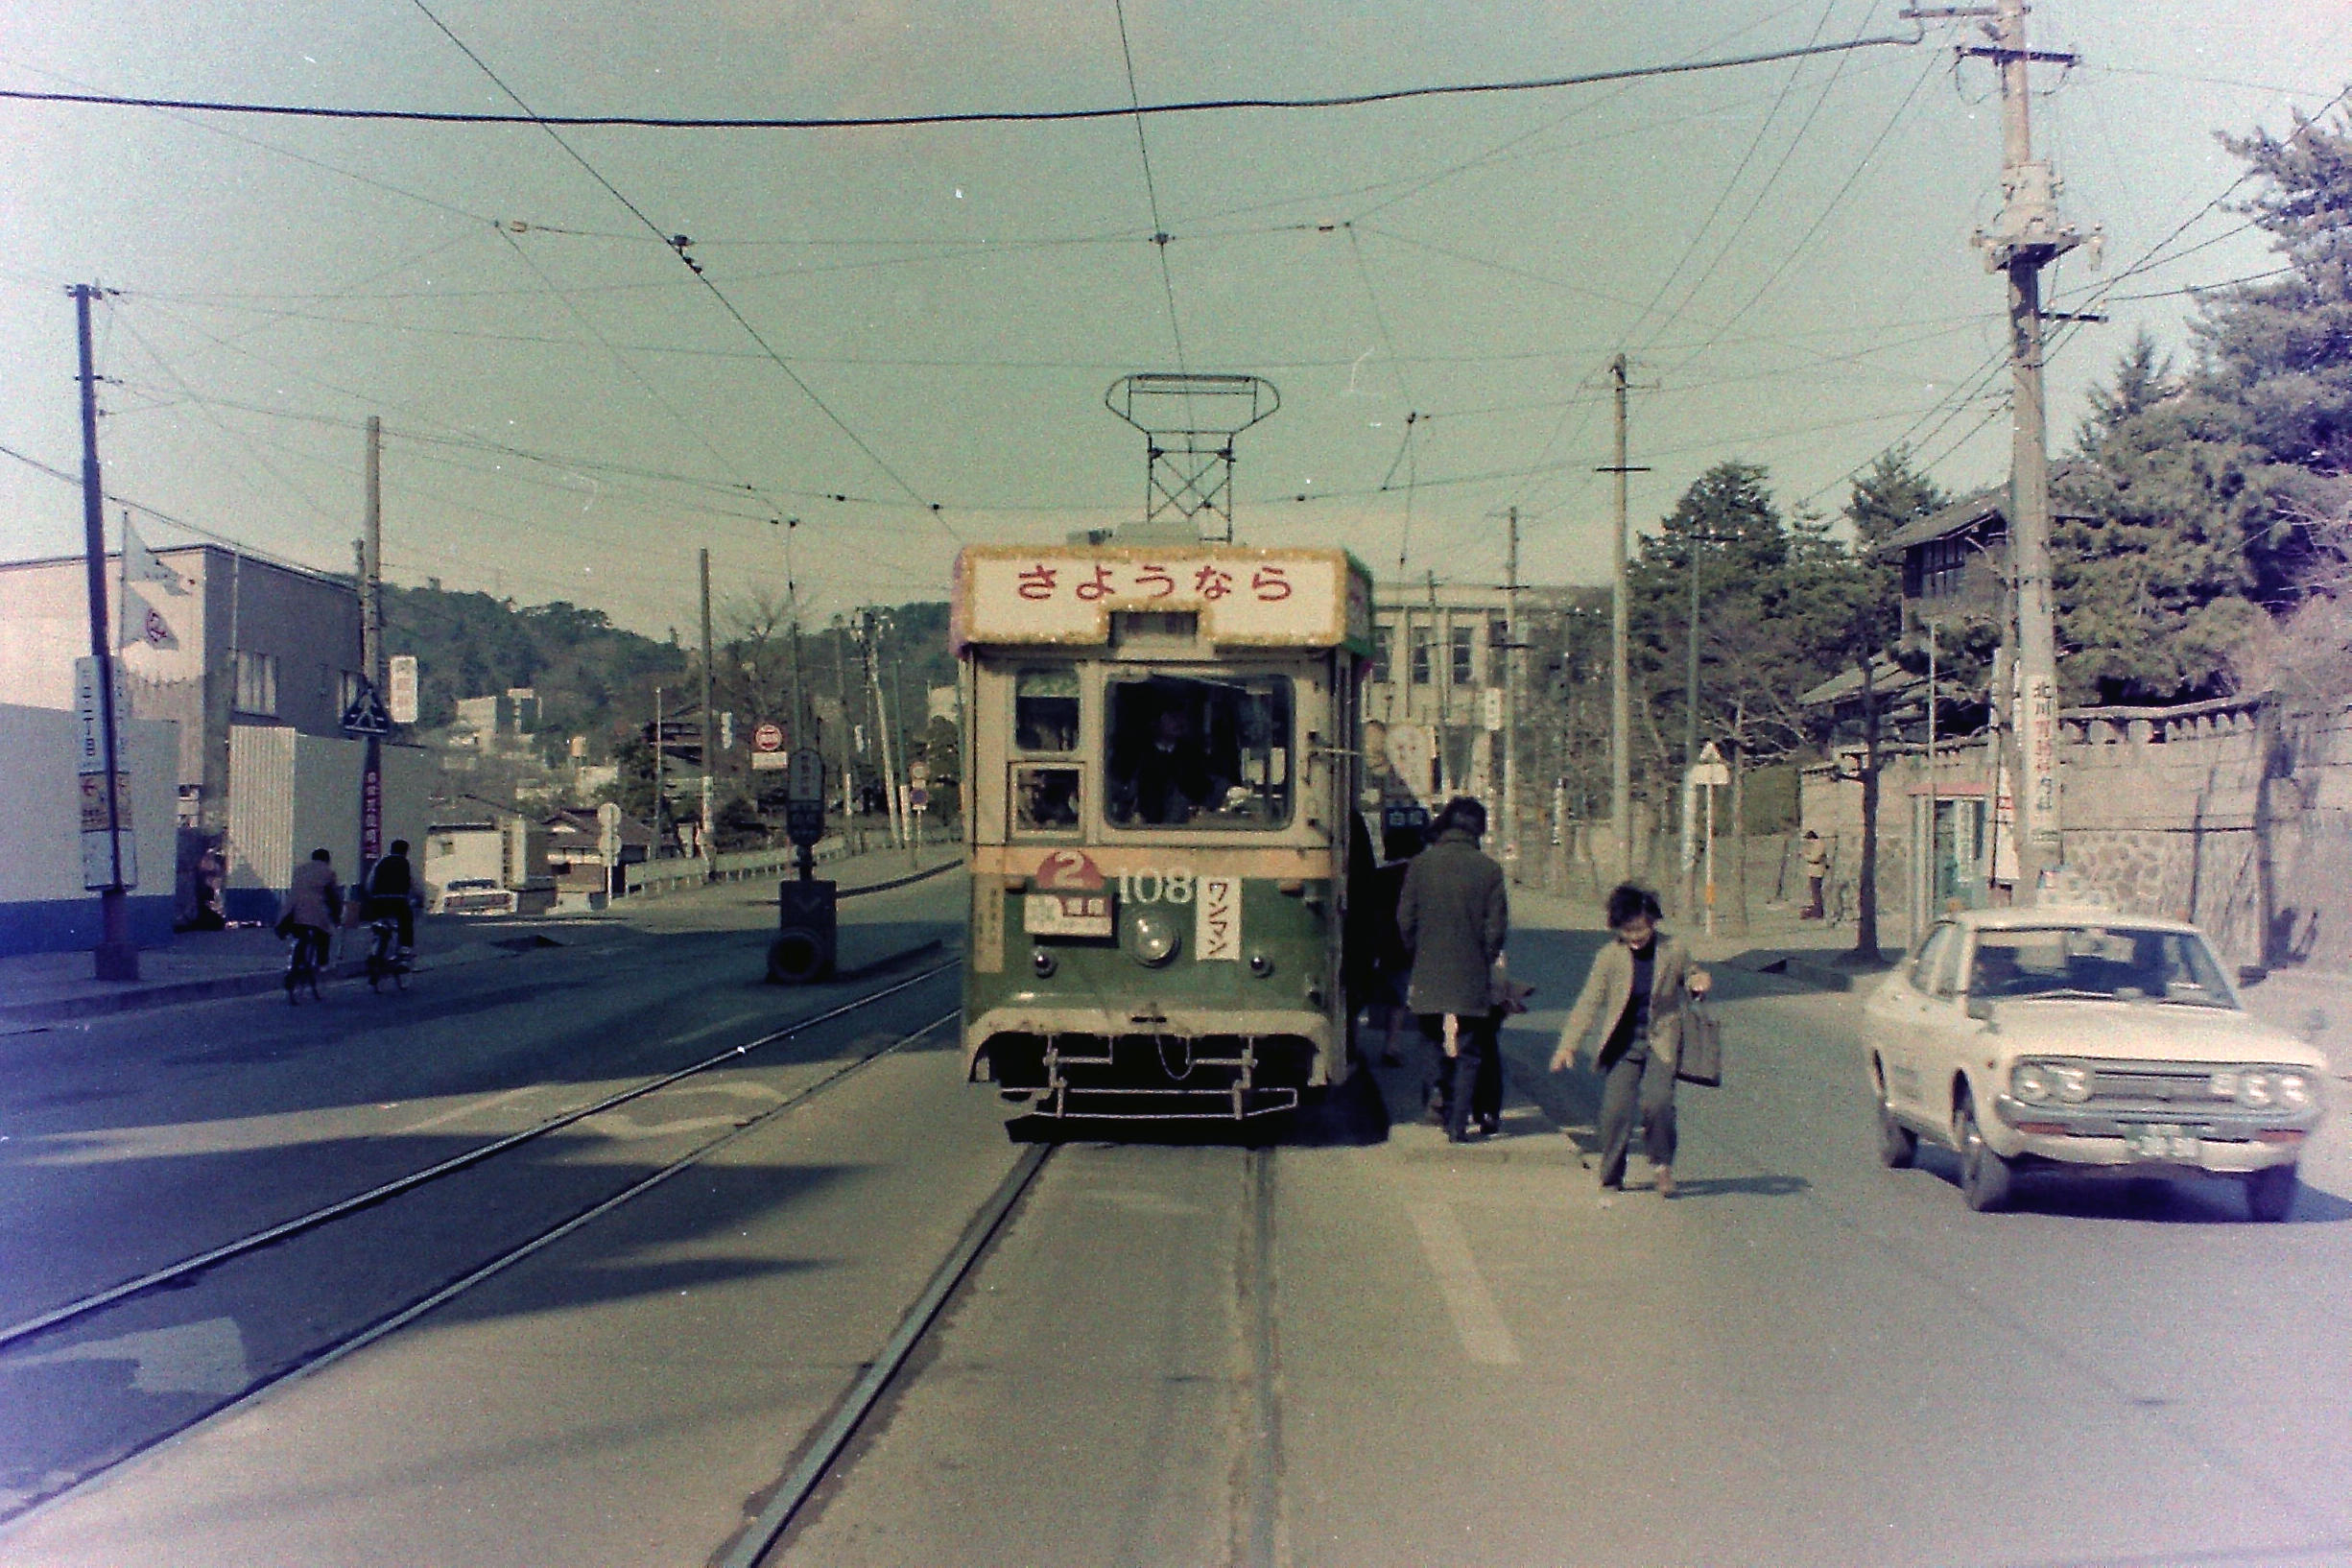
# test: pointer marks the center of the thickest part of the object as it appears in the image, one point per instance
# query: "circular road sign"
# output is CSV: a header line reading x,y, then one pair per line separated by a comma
x,y
768,738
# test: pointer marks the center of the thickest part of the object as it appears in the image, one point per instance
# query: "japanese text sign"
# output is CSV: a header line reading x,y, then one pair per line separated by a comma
x,y
1281,598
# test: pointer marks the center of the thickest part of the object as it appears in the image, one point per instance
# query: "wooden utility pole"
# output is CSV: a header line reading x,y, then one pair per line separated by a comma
x,y
710,728
1510,690
371,646
2026,236
116,956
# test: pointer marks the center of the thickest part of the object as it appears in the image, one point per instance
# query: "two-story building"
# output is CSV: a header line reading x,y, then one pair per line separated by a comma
x,y
255,661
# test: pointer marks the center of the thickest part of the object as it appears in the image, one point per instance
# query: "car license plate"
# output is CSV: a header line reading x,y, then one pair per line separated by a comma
x,y
2156,1141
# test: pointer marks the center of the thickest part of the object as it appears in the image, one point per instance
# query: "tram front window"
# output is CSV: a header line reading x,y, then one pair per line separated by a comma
x,y
1201,753
1046,799
1045,711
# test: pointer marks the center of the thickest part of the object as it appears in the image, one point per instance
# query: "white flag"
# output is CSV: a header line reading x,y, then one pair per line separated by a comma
x,y
144,624
140,565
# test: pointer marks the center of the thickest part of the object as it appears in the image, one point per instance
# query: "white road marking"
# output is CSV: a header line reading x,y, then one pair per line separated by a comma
x,y
1486,1339
459,1112
622,1127
206,1357
718,1028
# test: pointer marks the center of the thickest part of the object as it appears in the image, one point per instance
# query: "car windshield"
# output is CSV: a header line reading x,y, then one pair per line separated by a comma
x,y
2099,961
1199,752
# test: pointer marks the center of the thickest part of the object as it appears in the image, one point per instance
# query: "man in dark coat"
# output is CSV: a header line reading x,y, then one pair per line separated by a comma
x,y
1453,915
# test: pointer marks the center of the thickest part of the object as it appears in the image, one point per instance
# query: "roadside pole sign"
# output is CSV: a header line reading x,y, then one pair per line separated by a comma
x,y
768,753
403,688
109,849
1711,770
804,804
367,715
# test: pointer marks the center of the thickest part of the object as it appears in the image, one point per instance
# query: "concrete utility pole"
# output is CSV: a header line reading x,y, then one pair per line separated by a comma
x,y
2026,236
1689,741
661,784
1621,699
849,757
116,956
710,728
1512,652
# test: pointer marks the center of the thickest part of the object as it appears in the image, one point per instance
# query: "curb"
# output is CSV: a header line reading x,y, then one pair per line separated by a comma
x,y
22,1020
1807,969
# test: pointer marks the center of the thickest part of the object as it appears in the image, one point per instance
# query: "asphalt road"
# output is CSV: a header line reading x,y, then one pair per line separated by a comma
x,y
1805,1358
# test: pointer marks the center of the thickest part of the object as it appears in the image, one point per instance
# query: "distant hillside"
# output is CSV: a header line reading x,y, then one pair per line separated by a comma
x,y
590,675
597,680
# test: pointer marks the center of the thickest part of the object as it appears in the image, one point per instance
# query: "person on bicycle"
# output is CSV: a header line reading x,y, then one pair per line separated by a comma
x,y
313,905
390,895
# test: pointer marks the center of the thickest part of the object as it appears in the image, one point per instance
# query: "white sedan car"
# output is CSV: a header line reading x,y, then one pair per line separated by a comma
x,y
2090,1042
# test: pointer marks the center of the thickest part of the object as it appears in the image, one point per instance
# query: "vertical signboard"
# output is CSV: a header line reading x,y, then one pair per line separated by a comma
x,y
2039,707
403,688
110,852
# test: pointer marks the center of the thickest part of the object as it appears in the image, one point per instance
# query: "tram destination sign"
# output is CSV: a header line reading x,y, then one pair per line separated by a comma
x,y
1243,597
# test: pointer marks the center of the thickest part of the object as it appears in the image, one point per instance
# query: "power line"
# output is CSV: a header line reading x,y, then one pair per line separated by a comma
x,y
656,122
681,244
1150,189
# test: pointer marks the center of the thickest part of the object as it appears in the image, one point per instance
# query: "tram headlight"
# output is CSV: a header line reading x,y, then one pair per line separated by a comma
x,y
1152,936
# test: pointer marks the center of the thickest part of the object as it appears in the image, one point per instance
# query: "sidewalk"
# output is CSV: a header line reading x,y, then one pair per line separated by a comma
x,y
38,989
1776,942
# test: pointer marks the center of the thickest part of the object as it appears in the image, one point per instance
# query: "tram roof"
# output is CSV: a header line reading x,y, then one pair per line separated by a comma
x,y
1064,595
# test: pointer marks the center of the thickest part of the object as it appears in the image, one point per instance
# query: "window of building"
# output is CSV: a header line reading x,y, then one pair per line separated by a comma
x,y
1199,754
1384,639
1943,565
1420,661
257,683
1461,639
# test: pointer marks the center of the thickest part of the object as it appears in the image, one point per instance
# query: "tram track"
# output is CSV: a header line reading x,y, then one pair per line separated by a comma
x,y
89,1313
827,1461
182,1269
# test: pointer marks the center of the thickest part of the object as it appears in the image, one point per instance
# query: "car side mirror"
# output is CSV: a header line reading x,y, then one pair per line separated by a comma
x,y
2252,974
1981,1008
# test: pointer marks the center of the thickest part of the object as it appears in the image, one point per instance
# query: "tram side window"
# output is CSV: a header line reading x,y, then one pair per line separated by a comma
x,y
1045,711
1201,752
1046,799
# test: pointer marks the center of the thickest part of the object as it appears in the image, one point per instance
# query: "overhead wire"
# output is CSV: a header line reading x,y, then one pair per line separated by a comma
x,y
656,122
1159,229
681,245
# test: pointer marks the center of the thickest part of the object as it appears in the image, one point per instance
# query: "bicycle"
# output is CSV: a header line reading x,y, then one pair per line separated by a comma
x,y
304,963
386,959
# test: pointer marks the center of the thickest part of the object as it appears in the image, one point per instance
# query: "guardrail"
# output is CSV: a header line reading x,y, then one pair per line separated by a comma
x,y
651,879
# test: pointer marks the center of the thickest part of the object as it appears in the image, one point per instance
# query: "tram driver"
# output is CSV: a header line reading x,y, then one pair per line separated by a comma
x,y
1165,780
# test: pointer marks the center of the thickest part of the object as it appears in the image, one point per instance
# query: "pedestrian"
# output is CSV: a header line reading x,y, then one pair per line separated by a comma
x,y
1816,872
1637,989
1453,915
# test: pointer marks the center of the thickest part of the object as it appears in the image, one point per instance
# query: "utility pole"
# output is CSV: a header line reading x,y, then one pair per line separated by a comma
x,y
116,956
841,690
2026,236
869,643
1689,738
371,646
661,784
1441,653
1621,699
710,728
1511,652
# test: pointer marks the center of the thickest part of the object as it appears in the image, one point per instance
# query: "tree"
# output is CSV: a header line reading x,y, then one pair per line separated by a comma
x,y
1860,606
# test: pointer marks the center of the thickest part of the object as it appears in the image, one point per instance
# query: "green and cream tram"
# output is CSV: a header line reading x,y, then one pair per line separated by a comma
x,y
1161,770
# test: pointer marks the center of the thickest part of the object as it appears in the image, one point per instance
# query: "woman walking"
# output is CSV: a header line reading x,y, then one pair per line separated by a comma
x,y
1637,989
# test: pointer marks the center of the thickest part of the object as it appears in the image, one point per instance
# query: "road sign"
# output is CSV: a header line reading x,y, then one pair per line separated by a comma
x,y
403,684
768,753
365,716
727,730
1711,770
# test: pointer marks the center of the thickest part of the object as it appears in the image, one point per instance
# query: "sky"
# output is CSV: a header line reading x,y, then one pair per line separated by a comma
x,y
899,338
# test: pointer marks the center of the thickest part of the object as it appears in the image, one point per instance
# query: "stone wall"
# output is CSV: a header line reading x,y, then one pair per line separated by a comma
x,y
2234,813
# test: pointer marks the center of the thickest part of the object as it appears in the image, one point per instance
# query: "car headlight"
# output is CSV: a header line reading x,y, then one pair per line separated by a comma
x,y
2256,1091
2073,1083
1152,936
2293,1091
2029,1081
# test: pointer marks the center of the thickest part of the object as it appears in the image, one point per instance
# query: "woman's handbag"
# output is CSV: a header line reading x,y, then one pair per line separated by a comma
x,y
1699,1056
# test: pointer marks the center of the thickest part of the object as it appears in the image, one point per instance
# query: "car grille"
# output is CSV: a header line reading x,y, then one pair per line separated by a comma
x,y
2140,1084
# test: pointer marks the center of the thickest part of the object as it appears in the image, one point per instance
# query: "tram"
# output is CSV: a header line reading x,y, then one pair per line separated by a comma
x,y
1162,773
